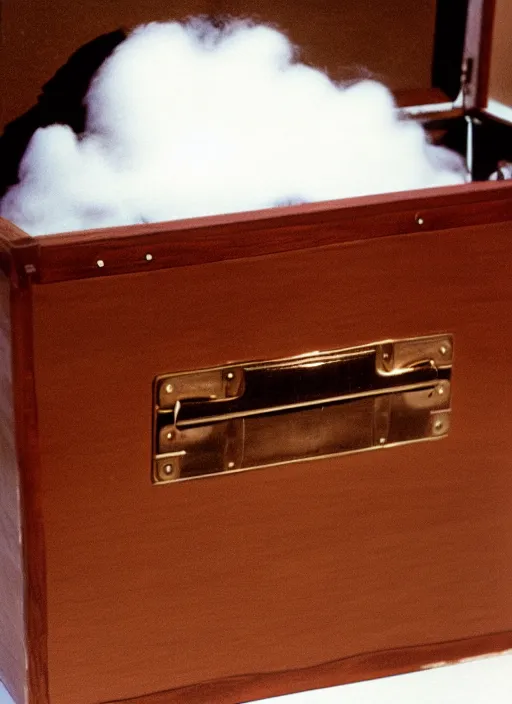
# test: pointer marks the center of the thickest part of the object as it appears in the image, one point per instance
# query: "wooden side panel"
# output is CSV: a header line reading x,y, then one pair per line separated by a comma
x,y
12,643
277,570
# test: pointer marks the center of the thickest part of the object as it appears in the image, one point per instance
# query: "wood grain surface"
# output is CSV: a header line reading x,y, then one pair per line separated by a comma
x,y
33,529
155,588
501,59
354,669
222,237
18,255
391,39
12,632
488,19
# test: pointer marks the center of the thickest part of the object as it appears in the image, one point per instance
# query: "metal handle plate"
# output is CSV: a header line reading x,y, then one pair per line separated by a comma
x,y
256,414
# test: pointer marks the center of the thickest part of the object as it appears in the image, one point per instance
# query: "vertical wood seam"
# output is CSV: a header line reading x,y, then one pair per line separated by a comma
x,y
33,540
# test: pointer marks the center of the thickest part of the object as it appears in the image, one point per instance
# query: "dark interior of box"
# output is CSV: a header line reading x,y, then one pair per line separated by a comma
x,y
492,142
414,47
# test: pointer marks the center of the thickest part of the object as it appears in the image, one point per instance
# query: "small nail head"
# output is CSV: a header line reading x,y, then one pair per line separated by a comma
x,y
149,257
231,465
230,376
420,220
100,263
382,441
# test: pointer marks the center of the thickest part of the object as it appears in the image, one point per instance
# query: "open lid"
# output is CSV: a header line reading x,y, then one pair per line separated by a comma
x,y
500,83
418,48
462,51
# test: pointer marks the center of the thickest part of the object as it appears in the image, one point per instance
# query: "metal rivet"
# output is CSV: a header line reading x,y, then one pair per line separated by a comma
x,y
168,469
385,355
231,465
169,388
169,436
440,390
443,350
420,220
230,376
100,263
438,425
149,257
382,441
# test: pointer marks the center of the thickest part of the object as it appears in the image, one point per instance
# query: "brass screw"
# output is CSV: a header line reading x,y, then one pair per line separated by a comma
x,y
443,350
440,390
168,469
169,435
169,388
438,425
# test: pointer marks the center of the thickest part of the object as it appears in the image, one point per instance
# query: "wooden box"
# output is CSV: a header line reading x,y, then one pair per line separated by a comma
x,y
117,585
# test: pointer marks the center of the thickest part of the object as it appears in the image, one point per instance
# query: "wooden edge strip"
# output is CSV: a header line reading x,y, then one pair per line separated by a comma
x,y
366,666
422,96
33,541
485,54
12,574
379,203
10,234
18,252
136,248
131,250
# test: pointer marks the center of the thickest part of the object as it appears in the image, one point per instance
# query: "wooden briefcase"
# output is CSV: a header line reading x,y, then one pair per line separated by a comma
x,y
145,368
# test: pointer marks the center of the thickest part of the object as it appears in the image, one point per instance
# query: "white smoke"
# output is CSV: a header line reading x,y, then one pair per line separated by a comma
x,y
186,120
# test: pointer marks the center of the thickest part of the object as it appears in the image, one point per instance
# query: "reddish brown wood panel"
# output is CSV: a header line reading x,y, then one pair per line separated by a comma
x,y
485,54
157,588
17,252
501,60
33,531
12,637
355,669
390,40
209,239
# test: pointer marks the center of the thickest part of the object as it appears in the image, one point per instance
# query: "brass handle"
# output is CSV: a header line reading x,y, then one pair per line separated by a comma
x,y
223,419
270,389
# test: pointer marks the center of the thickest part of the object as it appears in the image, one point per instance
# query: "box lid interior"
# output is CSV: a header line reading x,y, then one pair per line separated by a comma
x,y
414,47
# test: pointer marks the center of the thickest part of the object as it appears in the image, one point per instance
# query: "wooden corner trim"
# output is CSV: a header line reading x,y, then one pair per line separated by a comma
x,y
32,526
366,666
19,254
